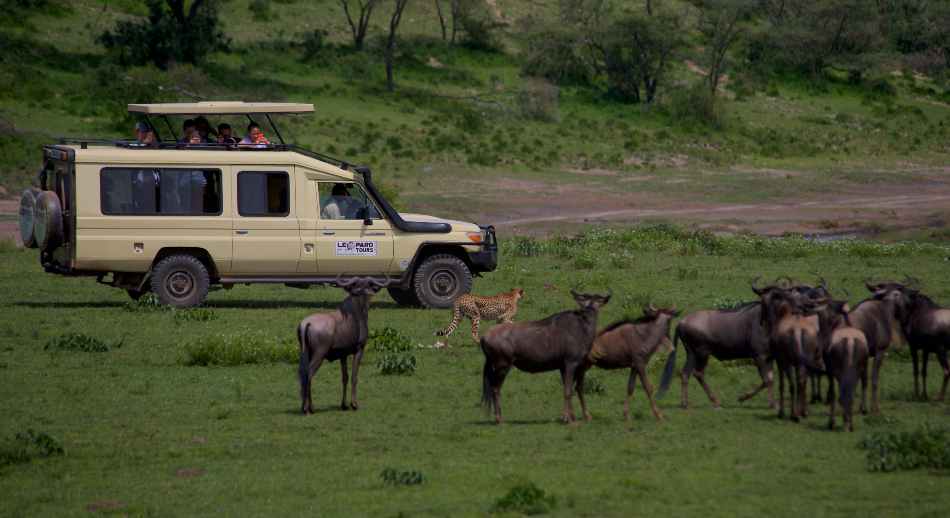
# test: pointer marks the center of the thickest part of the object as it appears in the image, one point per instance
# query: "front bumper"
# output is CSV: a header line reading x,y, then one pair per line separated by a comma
x,y
486,259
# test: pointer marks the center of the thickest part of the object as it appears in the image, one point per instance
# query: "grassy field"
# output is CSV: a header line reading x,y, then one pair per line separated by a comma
x,y
144,433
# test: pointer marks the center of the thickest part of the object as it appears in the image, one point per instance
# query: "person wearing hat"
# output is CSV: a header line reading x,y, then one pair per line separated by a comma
x,y
145,135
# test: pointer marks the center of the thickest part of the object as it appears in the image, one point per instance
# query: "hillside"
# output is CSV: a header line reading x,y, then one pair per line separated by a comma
x,y
465,125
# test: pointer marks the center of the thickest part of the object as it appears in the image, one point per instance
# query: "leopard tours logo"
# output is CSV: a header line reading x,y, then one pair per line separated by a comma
x,y
357,248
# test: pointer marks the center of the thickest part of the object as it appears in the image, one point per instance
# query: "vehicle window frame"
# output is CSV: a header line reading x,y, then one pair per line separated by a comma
x,y
237,191
366,194
214,170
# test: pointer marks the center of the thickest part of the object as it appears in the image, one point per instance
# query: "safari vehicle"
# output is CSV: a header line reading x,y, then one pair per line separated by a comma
x,y
179,219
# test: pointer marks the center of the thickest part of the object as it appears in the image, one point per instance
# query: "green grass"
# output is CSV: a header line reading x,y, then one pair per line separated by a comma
x,y
146,434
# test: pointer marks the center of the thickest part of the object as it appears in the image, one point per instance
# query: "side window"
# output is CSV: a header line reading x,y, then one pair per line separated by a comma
x,y
263,193
339,200
160,191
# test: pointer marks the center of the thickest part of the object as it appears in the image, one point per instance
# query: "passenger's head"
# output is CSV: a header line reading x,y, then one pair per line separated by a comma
x,y
339,189
224,130
254,131
203,126
144,133
188,127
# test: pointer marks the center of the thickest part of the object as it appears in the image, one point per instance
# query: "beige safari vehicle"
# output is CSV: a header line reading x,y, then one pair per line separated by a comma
x,y
180,219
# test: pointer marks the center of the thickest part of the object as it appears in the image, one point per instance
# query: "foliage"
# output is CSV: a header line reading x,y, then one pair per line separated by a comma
x,y
923,447
594,386
478,25
260,10
28,445
696,106
147,303
389,340
396,477
169,34
79,342
238,349
401,364
538,100
198,314
556,54
526,498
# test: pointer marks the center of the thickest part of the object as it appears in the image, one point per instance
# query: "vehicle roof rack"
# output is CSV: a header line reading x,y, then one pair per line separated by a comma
x,y
220,108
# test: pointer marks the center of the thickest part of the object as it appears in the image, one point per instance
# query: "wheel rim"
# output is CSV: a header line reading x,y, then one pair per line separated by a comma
x,y
180,284
443,283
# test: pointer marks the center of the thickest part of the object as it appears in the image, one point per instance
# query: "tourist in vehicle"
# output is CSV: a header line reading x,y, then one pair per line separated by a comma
x,y
145,135
204,129
224,134
340,205
255,137
187,128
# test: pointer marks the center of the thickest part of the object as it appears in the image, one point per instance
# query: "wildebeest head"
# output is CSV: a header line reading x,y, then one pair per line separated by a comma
x,y
652,311
360,286
832,310
591,301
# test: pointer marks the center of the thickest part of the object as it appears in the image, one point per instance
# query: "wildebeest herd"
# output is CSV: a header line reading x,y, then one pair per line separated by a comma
x,y
805,331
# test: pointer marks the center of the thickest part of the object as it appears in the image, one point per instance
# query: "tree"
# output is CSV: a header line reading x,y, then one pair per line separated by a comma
x,y
719,23
635,53
173,32
398,7
360,26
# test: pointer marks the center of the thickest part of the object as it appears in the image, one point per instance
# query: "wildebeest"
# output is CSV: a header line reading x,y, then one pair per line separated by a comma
x,y
631,343
845,354
818,291
560,342
926,327
793,338
876,317
725,334
336,335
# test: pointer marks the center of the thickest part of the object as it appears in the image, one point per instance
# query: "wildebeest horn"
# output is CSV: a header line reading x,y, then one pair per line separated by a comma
x,y
343,284
911,282
574,293
755,288
788,281
823,283
652,308
847,295
610,292
869,285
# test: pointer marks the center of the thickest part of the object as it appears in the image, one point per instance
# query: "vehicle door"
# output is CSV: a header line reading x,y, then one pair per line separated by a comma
x,y
266,233
352,235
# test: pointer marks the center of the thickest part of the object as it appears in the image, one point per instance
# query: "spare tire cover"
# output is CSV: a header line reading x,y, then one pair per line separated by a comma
x,y
48,226
27,218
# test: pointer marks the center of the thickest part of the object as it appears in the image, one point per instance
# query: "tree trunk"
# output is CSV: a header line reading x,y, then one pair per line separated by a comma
x,y
360,26
391,42
456,11
438,10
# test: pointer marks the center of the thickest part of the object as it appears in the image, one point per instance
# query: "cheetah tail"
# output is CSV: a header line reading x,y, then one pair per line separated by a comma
x,y
456,318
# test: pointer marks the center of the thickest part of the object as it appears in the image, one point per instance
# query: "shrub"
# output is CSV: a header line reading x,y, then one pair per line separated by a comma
x,y
389,340
260,10
402,364
29,445
727,303
538,100
194,315
594,386
79,342
522,246
238,349
525,499
555,55
394,477
925,447
147,303
478,25
696,105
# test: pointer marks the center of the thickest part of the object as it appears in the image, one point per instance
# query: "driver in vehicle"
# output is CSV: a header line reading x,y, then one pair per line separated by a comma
x,y
340,205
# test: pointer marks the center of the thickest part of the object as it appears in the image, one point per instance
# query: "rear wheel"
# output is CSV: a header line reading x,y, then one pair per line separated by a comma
x,y
180,281
48,221
440,280
28,218
403,297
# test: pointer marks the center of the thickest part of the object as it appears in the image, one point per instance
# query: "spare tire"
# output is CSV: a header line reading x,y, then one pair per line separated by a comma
x,y
48,223
27,218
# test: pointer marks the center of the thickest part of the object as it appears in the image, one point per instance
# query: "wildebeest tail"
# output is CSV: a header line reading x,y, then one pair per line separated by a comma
x,y
488,374
456,318
809,363
303,336
668,368
849,377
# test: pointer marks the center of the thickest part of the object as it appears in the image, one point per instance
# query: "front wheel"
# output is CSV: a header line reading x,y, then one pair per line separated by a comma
x,y
440,280
181,281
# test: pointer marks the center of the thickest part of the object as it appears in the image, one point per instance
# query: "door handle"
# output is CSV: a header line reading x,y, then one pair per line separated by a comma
x,y
328,232
375,233
241,232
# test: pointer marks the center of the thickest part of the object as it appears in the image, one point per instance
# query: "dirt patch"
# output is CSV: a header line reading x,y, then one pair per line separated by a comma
x,y
104,505
771,173
594,172
190,472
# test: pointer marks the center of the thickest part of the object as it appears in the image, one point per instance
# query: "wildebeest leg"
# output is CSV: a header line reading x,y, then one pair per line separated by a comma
x,y
579,387
781,392
942,358
815,387
631,384
913,359
765,372
923,376
346,379
875,379
567,379
795,384
831,403
497,380
357,358
803,391
642,371
700,374
687,372
315,363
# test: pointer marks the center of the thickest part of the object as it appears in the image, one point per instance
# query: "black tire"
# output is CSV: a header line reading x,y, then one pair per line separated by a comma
x,y
181,281
28,218
404,297
48,222
441,279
